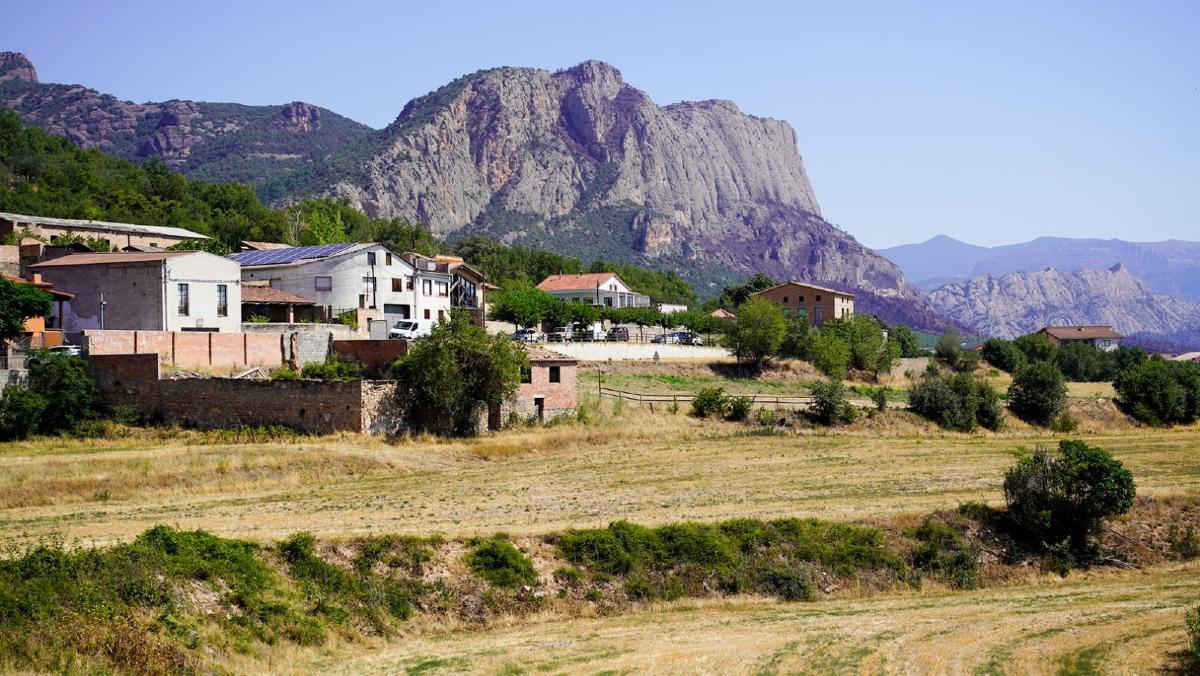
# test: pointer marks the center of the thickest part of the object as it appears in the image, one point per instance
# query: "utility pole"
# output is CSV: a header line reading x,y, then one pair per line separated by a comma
x,y
102,304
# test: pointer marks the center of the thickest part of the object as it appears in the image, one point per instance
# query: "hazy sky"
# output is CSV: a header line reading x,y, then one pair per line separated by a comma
x,y
993,122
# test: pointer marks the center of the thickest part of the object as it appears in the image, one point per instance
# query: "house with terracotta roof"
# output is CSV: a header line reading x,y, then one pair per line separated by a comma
x,y
602,289
163,291
260,302
1102,337
804,300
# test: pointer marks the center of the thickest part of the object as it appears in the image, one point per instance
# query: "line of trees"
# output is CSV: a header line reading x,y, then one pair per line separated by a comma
x,y
530,307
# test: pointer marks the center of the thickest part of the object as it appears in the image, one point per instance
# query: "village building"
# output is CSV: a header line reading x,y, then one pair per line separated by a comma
x,y
166,291
1101,336
41,332
602,289
816,303
251,245
353,276
467,284
113,235
549,387
261,303
722,313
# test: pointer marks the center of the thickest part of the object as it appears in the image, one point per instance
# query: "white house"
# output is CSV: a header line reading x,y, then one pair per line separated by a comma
x,y
347,276
160,291
603,289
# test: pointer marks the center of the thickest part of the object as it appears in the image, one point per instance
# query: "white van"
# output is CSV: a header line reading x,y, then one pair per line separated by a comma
x,y
410,329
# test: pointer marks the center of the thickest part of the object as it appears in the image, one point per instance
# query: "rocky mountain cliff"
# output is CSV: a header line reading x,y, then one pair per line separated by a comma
x,y
580,162
210,141
1021,302
1171,267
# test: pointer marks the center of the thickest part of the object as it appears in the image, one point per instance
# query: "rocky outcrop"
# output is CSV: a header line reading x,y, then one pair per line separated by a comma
x,y
14,66
1021,302
581,162
213,141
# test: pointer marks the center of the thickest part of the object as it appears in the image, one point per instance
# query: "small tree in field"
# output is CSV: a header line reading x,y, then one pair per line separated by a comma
x,y
757,332
19,302
1038,393
1066,497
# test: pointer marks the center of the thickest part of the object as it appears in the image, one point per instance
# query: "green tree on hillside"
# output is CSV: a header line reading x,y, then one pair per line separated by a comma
x,y
757,331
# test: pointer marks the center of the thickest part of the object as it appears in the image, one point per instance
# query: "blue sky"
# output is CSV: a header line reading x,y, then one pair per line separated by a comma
x,y
991,122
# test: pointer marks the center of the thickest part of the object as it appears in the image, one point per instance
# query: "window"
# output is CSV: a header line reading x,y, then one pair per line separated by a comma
x,y
368,284
555,375
154,244
817,314
800,299
526,375
397,284
443,288
323,283
818,298
183,300
370,258
787,312
387,258
427,314
785,299
408,282
426,287
441,315
222,301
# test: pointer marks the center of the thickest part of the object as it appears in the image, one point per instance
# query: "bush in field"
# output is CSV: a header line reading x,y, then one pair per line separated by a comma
x,y
502,564
335,367
61,398
20,412
1192,623
1159,392
830,354
966,361
1036,347
830,406
949,346
1003,354
739,407
1038,393
960,402
943,551
1063,499
709,402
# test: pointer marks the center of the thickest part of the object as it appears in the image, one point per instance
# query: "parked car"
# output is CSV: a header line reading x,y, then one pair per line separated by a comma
x,y
560,334
689,338
69,350
620,333
410,329
529,336
666,338
594,332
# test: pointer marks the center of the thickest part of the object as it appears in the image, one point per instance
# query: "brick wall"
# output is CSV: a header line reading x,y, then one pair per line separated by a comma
x,y
191,349
113,368
557,398
376,355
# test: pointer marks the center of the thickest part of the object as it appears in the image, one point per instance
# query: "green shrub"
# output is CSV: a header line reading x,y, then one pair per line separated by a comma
x,y
1191,621
949,346
335,367
786,583
830,354
1159,392
349,318
1066,497
766,417
1038,393
966,361
960,402
258,319
1185,545
1003,354
502,564
1064,424
568,576
285,372
124,414
71,395
709,402
943,551
20,412
830,406
1036,347
739,407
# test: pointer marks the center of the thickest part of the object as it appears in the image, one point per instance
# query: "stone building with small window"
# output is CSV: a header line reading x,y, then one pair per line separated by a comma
x,y
164,291
549,387
816,303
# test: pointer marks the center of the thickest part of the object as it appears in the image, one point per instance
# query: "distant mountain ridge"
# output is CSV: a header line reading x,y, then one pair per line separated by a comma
x,y
1170,267
1022,302
208,141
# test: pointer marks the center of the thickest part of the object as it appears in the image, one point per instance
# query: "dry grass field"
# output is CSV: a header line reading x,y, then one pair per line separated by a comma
x,y
652,468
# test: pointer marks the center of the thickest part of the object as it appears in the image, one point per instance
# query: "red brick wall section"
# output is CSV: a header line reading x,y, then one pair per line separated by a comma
x,y
191,349
374,354
155,341
109,342
264,349
227,349
559,397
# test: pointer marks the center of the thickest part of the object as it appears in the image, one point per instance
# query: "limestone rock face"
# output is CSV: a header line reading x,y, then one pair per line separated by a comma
x,y
213,141
14,66
581,162
1021,302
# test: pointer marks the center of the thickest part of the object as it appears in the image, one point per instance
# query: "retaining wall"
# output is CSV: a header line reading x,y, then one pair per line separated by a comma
x,y
191,349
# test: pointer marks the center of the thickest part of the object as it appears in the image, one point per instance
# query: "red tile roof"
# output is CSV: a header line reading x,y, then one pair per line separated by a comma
x,y
1081,332
792,282
267,295
538,353
44,286
587,280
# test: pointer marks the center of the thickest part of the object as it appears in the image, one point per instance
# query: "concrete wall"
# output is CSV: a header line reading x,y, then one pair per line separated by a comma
x,y
192,349
637,351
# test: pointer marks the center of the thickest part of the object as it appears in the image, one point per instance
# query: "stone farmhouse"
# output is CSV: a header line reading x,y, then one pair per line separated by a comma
x,y
124,236
1102,337
817,303
163,291
603,289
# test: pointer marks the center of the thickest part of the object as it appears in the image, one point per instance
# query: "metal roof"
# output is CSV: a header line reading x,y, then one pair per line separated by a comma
x,y
292,254
103,225
123,257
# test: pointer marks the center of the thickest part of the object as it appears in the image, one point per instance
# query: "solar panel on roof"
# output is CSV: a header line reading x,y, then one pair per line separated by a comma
x,y
291,254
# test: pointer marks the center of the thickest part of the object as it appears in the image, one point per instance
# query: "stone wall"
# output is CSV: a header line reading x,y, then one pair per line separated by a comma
x,y
10,260
109,369
306,343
